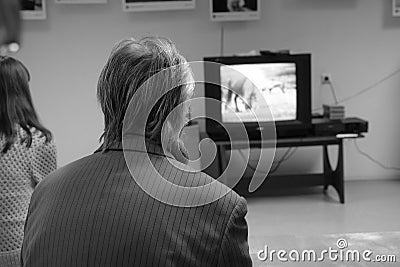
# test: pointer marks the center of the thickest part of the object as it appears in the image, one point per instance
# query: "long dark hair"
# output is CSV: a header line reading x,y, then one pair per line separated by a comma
x,y
16,106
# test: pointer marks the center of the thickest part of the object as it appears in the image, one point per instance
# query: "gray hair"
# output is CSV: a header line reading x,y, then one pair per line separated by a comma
x,y
131,64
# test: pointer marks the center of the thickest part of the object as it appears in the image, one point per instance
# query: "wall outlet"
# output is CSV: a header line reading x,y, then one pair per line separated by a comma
x,y
326,78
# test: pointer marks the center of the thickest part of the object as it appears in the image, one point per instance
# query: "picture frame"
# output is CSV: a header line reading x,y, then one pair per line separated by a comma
x,y
235,10
81,1
33,9
157,5
396,8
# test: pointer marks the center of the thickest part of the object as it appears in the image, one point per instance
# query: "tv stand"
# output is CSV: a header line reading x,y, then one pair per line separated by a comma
x,y
329,177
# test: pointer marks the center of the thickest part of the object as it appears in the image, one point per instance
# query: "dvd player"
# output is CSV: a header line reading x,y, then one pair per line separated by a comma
x,y
326,127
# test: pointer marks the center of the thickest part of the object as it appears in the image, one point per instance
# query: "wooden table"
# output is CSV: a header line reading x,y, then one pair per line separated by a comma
x,y
329,177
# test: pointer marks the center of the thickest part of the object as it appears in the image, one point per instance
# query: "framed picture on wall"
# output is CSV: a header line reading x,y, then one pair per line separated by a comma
x,y
234,10
33,9
81,1
396,8
155,5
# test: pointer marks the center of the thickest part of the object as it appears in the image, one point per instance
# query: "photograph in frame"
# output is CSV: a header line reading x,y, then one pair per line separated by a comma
x,y
396,8
81,1
157,5
33,9
234,10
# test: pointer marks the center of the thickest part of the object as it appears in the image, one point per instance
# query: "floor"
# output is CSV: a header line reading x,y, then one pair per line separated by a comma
x,y
370,206
308,219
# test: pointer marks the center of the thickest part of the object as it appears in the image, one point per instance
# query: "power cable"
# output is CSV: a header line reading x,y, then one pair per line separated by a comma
x,y
288,153
373,159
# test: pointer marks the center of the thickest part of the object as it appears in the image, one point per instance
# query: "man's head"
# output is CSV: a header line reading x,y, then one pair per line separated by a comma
x,y
125,81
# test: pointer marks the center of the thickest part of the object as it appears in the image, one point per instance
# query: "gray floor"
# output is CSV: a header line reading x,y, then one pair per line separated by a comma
x,y
371,206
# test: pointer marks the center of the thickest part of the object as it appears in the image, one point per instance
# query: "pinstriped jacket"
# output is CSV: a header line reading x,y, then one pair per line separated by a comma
x,y
92,213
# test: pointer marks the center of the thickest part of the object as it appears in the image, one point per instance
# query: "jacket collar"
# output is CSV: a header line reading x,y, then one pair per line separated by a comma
x,y
136,143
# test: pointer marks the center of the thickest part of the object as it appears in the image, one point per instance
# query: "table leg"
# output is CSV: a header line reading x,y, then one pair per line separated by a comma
x,y
327,168
338,181
334,177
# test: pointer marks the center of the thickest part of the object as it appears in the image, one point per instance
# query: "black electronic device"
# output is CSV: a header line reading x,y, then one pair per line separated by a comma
x,y
271,53
355,125
327,127
240,83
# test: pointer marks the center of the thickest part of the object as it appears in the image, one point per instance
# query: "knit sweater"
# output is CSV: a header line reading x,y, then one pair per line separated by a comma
x,y
21,169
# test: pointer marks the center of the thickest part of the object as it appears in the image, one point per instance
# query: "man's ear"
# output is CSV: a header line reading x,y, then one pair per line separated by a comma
x,y
183,149
179,151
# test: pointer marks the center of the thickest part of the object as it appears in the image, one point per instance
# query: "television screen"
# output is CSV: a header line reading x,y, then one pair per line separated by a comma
x,y
266,91
255,88
154,5
231,10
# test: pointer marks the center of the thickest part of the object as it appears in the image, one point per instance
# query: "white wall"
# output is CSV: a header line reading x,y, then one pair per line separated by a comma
x,y
355,40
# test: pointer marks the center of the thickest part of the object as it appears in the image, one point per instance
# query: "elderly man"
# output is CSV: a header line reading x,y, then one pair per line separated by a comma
x,y
102,210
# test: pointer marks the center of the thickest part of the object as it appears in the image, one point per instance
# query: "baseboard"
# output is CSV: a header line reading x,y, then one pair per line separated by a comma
x,y
390,177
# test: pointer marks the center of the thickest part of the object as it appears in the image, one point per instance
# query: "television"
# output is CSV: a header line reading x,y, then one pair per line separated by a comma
x,y
156,5
234,10
259,92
